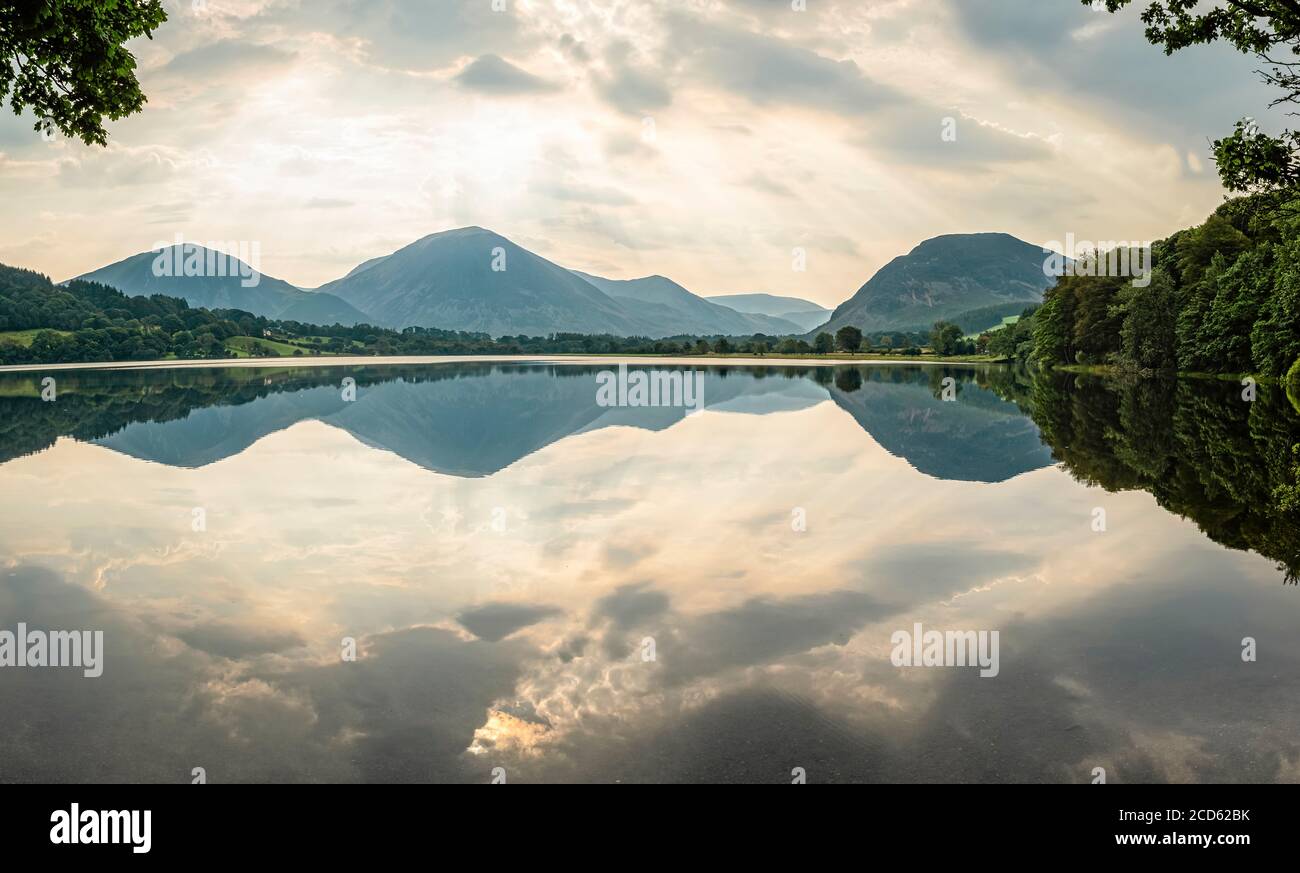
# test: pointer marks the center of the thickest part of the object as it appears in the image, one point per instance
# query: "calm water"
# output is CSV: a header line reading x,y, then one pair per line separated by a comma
x,y
574,592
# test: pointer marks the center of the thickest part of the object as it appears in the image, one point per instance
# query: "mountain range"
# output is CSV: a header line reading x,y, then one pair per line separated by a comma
x,y
472,279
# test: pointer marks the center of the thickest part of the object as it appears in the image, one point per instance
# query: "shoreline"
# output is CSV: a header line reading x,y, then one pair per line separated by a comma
x,y
400,360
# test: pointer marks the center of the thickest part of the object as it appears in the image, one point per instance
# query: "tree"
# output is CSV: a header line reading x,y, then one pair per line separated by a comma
x,y
945,338
1148,337
66,61
1248,160
848,338
824,344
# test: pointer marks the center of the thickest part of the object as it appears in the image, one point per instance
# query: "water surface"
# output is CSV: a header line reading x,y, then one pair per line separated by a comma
x,y
505,553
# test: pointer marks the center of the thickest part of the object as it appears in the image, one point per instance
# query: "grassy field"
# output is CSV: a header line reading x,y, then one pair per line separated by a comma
x,y
24,337
243,346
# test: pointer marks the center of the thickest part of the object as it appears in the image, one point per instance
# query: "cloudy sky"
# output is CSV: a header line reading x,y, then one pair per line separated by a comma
x,y
699,139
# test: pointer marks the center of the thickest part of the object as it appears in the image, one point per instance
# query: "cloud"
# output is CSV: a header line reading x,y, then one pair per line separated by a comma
x,y
491,74
760,181
577,192
228,56
768,70
410,35
633,91
236,641
329,203
122,166
934,137
1100,62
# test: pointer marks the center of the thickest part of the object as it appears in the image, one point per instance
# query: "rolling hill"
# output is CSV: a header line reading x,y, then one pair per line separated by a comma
x,y
942,278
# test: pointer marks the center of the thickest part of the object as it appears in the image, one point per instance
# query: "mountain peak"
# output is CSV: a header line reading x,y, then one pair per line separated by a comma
x,y
944,277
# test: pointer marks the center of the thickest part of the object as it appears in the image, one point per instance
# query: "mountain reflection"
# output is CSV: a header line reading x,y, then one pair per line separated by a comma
x,y
477,419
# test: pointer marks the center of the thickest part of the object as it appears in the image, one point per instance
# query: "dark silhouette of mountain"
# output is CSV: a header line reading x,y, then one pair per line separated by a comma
x,y
804,313
268,297
667,309
944,277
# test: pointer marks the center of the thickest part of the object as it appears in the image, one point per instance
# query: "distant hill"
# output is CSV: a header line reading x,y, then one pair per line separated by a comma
x,y
944,277
446,280
270,297
668,309
804,313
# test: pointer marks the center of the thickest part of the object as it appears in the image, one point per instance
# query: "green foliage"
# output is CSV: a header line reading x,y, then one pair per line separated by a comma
x,y
946,338
1293,384
1254,162
66,60
1287,494
1014,342
824,343
1223,297
1148,335
1054,325
848,339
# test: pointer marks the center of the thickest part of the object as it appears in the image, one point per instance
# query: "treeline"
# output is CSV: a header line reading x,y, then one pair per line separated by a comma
x,y
89,322
1223,297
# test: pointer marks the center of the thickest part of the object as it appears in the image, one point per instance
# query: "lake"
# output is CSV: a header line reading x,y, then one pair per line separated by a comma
x,y
476,572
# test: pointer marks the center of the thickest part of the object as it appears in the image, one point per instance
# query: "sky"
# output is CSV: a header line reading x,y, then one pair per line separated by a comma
x,y
703,140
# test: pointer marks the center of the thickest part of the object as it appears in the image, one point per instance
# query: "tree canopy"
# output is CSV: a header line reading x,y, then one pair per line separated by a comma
x,y
66,60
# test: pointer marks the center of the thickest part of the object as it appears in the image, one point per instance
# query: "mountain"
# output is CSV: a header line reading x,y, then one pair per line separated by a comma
x,y
802,312
447,280
269,297
666,309
943,277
